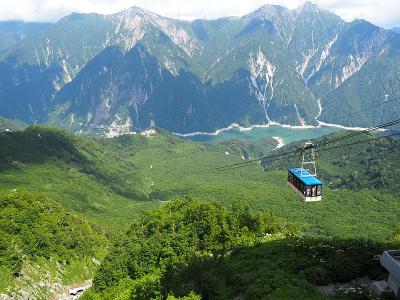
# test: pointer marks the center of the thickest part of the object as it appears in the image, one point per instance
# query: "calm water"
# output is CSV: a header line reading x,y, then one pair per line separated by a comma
x,y
288,135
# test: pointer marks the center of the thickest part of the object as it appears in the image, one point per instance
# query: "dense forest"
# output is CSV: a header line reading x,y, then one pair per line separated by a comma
x,y
34,228
195,249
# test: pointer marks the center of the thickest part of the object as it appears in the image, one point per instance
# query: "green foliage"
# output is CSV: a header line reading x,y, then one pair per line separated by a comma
x,y
146,287
111,181
396,233
82,173
190,245
33,226
367,163
10,125
165,241
191,296
40,227
250,149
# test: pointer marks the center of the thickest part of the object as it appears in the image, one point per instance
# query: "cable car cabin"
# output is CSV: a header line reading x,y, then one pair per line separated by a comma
x,y
306,185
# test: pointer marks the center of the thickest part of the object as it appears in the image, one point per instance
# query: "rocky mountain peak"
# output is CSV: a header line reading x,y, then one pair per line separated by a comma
x,y
308,6
134,12
268,11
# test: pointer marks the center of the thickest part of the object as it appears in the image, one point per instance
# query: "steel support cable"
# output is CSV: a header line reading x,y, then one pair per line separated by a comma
x,y
322,150
356,133
227,167
342,118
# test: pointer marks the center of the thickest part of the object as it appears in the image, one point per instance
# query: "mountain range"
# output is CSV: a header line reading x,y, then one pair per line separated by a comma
x,y
13,32
396,29
113,74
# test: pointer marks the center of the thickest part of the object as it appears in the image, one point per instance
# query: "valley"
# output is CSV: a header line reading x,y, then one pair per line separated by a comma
x,y
146,157
111,182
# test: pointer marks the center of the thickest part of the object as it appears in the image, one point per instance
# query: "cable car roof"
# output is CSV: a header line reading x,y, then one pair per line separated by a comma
x,y
307,178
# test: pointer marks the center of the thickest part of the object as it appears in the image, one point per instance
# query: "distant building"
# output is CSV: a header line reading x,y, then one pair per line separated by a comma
x,y
390,260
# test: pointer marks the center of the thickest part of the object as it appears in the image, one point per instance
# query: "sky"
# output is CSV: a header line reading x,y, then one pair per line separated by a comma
x,y
385,13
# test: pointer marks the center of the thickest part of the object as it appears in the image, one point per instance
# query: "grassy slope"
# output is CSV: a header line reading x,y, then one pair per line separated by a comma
x,y
10,125
111,181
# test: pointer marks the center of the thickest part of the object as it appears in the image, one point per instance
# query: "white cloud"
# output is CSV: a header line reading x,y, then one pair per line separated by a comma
x,y
384,12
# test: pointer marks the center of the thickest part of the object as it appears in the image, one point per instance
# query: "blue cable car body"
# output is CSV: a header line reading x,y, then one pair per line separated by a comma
x,y
307,186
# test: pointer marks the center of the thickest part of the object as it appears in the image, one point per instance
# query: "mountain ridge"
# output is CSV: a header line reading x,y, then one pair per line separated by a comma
x,y
272,65
13,32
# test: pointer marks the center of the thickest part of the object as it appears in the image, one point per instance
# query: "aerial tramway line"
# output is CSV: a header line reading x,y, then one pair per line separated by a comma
x,y
303,180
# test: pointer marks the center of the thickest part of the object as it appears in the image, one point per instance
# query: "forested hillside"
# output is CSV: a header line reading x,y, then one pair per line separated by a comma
x,y
244,213
110,180
113,180
41,241
165,246
200,250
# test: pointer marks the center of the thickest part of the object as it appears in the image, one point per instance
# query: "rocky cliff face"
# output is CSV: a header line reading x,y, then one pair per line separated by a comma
x,y
123,72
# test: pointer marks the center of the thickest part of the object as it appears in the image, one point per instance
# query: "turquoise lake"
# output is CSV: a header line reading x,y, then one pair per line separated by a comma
x,y
287,135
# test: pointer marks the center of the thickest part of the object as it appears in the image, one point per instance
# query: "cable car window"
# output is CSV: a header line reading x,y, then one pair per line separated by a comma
x,y
318,190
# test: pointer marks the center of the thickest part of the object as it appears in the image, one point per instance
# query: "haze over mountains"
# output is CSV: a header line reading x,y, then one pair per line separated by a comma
x,y
396,29
112,74
13,32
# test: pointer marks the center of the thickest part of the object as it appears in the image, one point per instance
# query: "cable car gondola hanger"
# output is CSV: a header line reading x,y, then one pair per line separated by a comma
x,y
303,180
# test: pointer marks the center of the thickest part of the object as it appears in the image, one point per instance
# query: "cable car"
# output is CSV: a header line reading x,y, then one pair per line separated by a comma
x,y
304,182
308,187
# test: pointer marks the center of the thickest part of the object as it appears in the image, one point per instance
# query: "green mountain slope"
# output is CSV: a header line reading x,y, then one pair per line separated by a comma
x,y
124,72
40,241
109,180
190,248
191,231
112,181
364,162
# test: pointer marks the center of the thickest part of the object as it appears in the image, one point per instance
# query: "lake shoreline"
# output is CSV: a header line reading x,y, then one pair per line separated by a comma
x,y
272,124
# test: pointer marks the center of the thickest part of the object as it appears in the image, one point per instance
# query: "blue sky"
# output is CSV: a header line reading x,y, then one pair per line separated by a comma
x,y
385,13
